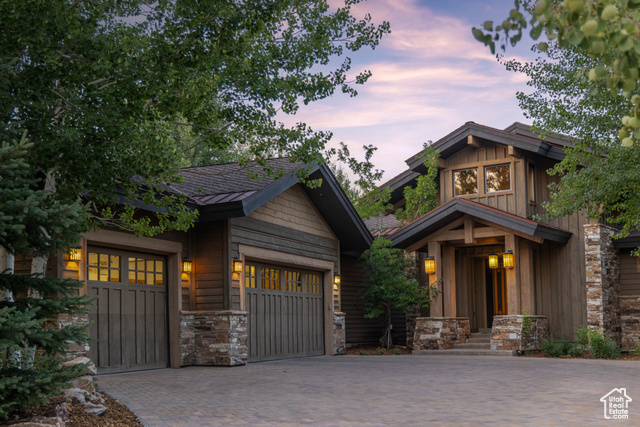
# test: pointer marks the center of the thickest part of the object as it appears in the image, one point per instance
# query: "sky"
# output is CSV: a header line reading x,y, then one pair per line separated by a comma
x,y
430,76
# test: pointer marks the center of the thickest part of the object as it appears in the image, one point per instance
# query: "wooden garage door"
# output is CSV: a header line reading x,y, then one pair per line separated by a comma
x,y
129,316
285,312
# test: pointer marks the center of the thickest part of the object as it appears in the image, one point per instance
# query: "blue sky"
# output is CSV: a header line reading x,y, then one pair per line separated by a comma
x,y
430,76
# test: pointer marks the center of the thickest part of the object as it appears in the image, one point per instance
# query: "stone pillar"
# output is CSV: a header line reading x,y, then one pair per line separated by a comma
x,y
603,281
411,327
440,333
75,350
339,336
508,332
213,338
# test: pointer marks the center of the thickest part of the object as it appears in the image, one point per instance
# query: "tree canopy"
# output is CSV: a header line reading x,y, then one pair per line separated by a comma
x,y
586,86
108,92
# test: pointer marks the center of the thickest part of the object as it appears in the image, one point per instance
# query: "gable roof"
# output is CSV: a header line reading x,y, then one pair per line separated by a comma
x,y
227,191
516,135
458,207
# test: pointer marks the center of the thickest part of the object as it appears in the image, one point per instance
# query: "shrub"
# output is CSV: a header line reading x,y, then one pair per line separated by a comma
x,y
551,348
576,351
363,352
396,351
602,348
637,352
582,337
381,351
565,345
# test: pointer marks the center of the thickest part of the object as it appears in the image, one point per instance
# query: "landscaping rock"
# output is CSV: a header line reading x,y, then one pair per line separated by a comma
x,y
95,409
41,422
91,368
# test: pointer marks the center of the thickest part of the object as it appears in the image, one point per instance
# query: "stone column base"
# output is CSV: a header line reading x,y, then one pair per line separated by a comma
x,y
339,336
507,332
440,333
213,338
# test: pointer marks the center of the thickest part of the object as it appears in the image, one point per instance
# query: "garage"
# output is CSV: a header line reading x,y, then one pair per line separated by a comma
x,y
284,306
129,317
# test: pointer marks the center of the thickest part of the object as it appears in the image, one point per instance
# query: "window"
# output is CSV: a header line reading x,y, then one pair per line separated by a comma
x,y
104,267
146,271
270,278
465,182
497,178
292,281
532,183
249,276
313,283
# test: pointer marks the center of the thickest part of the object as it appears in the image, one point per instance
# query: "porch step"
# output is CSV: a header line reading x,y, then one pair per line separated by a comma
x,y
472,345
479,338
484,331
465,352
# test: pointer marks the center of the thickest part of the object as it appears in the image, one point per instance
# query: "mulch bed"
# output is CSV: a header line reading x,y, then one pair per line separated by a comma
x,y
117,415
372,350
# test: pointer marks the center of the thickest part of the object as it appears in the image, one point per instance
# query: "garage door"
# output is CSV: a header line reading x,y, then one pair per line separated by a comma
x,y
285,312
129,318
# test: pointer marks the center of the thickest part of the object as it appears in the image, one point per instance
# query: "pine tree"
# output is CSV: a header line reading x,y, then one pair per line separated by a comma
x,y
32,221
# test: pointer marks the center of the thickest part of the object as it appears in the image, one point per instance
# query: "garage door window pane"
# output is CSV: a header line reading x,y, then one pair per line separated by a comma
x,y
270,278
103,267
249,276
158,266
146,271
292,281
313,283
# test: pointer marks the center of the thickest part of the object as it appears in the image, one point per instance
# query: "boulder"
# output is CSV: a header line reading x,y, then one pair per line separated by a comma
x,y
91,368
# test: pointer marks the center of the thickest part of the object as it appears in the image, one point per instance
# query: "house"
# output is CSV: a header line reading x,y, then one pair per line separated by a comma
x,y
494,262
255,278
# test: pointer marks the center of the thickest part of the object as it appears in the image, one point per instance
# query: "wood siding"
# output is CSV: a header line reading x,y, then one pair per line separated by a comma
x,y
629,274
512,201
293,209
208,271
358,329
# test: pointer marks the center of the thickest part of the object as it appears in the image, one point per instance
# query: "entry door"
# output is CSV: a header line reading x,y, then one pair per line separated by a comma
x,y
499,291
285,312
129,321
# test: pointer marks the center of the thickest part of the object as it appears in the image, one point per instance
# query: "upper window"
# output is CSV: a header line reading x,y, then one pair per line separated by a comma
x,y
104,267
465,181
497,178
532,183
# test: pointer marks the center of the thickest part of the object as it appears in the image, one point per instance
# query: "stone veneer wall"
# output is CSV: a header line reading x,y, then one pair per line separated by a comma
x,y
411,328
603,281
506,333
213,338
440,333
75,350
630,321
339,336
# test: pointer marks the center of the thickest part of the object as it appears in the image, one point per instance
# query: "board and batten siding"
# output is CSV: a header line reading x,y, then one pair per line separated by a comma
x,y
208,271
490,154
629,274
360,330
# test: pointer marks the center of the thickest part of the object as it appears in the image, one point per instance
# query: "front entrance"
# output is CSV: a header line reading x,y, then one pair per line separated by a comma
x,y
128,319
285,312
496,291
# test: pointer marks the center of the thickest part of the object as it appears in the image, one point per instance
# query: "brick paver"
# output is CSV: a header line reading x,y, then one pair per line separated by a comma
x,y
380,391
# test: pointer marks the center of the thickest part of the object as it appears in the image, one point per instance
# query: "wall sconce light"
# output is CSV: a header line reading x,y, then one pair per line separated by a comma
x,y
508,260
430,265
75,254
237,265
187,265
336,279
493,261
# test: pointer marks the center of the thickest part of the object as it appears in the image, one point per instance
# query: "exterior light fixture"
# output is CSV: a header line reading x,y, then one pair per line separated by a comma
x,y
493,261
75,254
336,279
237,265
508,260
187,265
430,265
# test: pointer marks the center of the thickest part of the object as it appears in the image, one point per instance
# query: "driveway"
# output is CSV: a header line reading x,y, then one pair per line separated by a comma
x,y
381,391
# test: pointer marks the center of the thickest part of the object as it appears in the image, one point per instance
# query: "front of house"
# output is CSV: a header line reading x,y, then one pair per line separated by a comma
x,y
494,262
252,281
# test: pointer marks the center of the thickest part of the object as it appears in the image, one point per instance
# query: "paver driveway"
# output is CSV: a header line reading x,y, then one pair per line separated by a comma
x,y
381,390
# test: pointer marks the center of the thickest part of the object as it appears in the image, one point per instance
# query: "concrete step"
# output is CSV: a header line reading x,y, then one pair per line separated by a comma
x,y
479,340
472,345
484,331
465,352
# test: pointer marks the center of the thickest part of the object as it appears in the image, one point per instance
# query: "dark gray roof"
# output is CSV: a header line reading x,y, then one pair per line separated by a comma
x,y
457,208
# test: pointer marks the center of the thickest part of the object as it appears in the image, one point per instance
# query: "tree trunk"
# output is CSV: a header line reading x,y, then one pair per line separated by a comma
x,y
7,265
386,340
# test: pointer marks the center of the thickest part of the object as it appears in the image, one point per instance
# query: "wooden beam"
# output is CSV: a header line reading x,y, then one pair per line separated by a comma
x,y
513,152
442,164
435,309
449,280
473,141
527,284
513,277
535,239
435,235
468,230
